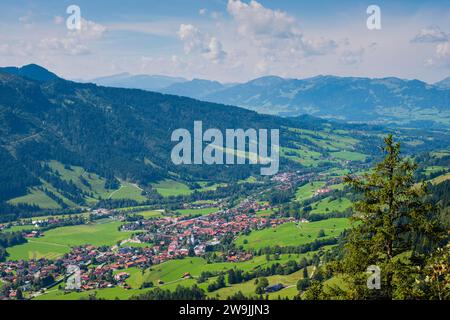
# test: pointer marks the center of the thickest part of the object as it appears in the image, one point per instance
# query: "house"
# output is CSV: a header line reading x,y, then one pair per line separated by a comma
x,y
274,288
121,276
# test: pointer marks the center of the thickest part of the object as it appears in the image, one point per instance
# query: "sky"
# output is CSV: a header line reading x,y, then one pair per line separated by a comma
x,y
229,40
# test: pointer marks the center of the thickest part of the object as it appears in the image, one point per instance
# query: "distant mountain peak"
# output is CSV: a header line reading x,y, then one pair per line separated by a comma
x,y
31,71
267,80
140,81
444,83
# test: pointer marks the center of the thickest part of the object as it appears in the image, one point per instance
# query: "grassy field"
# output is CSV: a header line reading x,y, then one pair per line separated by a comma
x,y
441,179
36,197
349,155
128,191
202,211
58,241
303,155
19,228
327,205
264,213
150,214
210,187
248,288
73,173
292,234
169,188
95,185
307,191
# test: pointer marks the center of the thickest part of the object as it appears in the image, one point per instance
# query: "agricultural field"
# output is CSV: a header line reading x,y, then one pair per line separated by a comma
x,y
248,288
265,213
303,155
201,211
349,155
328,205
128,191
292,234
57,242
151,214
169,188
307,191
36,197
96,184
19,228
205,186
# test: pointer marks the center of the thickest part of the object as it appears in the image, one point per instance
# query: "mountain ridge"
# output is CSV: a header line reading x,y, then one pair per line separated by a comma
x,y
356,99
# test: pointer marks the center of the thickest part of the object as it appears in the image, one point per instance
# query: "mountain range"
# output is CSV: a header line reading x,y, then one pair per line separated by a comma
x,y
111,133
345,98
103,136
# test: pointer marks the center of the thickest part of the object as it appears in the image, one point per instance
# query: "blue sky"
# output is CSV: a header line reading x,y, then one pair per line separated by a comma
x,y
229,40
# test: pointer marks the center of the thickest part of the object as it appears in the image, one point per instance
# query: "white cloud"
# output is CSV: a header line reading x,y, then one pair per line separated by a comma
x,y
67,46
274,29
202,11
21,49
431,34
443,50
89,30
75,42
255,20
196,41
215,52
441,40
441,57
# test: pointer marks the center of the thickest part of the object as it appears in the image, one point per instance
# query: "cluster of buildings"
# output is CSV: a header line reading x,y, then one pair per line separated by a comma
x,y
162,239
288,180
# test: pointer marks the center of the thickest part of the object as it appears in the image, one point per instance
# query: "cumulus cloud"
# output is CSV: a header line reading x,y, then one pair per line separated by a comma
x,y
431,34
68,46
196,41
75,42
90,30
256,20
21,48
441,57
441,40
274,29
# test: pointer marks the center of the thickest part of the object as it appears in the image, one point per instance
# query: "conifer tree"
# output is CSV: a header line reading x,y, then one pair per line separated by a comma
x,y
394,229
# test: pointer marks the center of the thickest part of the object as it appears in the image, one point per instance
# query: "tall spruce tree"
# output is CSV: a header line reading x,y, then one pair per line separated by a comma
x,y
394,228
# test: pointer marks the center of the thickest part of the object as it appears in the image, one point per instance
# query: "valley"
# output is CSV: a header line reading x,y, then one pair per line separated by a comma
x,y
87,180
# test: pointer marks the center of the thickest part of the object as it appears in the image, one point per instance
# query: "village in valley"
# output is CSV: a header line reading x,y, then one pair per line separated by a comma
x,y
152,241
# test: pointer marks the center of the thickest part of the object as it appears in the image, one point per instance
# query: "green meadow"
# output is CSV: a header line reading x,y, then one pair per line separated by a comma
x,y
328,205
248,288
36,197
57,242
201,211
169,188
292,234
349,155
307,191
128,191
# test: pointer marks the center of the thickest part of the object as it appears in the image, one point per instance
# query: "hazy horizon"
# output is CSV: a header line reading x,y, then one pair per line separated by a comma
x,y
230,41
